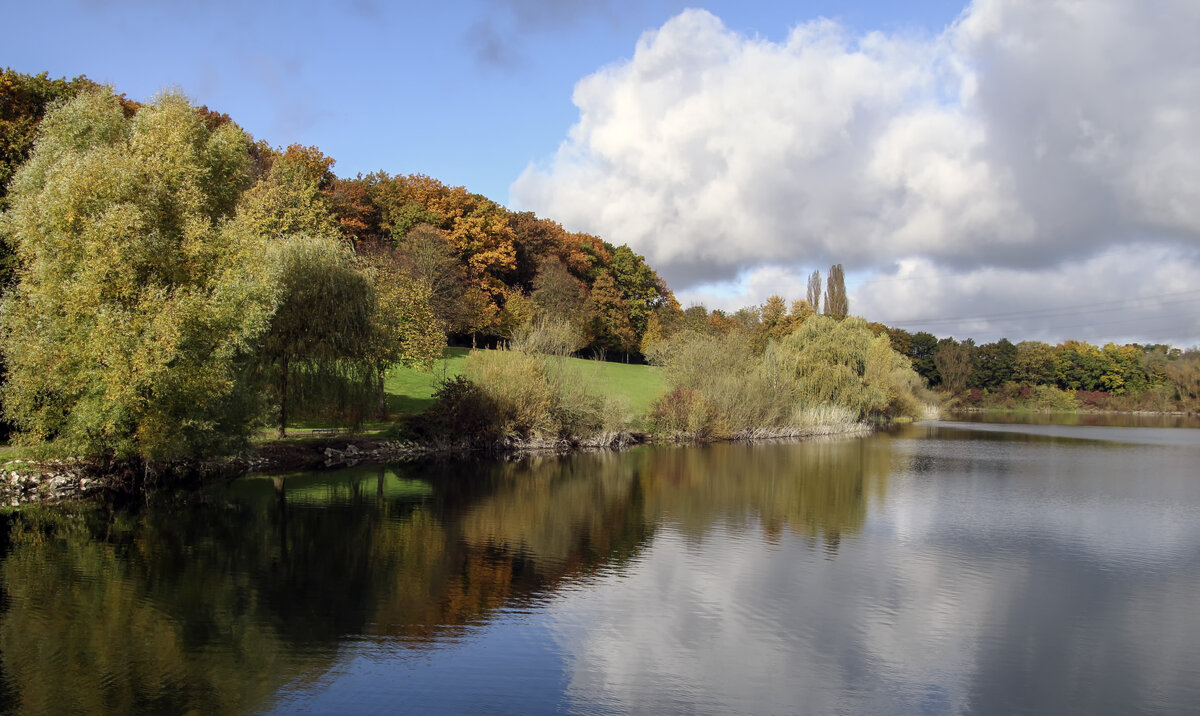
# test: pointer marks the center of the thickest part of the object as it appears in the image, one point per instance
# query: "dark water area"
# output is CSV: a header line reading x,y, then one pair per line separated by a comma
x,y
950,567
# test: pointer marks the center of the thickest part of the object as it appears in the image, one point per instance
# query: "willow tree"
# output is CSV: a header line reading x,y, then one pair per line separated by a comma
x,y
841,362
316,353
134,316
312,359
339,322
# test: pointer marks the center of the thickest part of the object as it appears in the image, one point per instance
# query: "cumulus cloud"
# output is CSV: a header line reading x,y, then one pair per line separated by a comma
x,y
1025,140
1140,292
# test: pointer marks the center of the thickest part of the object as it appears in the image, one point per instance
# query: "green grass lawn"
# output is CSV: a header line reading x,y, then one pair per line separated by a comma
x,y
410,391
640,384
12,452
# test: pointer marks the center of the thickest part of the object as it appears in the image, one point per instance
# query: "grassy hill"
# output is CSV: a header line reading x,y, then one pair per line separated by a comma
x,y
410,391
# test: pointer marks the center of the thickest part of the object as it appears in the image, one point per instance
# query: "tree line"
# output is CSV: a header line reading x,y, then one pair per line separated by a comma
x,y
776,370
173,283
1070,374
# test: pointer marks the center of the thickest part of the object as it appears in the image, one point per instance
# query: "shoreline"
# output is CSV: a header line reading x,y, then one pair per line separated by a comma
x,y
1078,411
33,482
30,482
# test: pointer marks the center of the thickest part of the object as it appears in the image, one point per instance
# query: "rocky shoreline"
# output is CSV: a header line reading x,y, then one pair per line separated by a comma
x,y
25,481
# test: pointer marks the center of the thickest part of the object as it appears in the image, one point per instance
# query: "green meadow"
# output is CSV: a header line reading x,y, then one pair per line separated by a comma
x,y
410,391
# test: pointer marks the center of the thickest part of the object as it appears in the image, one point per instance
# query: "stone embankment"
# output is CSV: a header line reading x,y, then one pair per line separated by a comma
x,y
47,481
25,481
31,481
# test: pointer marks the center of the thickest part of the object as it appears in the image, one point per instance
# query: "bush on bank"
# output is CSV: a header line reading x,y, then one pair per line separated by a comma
x,y
827,372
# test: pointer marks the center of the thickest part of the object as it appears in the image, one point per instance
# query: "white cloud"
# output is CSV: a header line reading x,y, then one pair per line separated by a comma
x,y
1028,138
1136,292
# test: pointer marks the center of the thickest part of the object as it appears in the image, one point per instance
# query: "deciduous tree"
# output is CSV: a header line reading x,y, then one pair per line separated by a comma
x,y
814,291
954,362
837,304
135,316
609,317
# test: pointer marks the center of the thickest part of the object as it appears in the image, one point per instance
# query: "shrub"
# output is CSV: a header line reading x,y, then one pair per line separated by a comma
x,y
547,336
538,396
723,387
1097,399
1049,398
462,413
684,412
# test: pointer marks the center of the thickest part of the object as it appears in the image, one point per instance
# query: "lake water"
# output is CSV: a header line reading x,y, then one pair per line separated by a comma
x,y
951,567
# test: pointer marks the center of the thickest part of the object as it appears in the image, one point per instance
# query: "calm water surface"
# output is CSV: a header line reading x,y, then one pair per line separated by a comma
x,y
952,567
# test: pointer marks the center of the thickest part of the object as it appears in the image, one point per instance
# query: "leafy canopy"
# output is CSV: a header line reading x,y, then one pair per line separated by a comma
x,y
134,314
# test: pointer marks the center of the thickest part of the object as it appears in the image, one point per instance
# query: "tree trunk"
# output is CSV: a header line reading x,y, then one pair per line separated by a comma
x,y
383,410
283,399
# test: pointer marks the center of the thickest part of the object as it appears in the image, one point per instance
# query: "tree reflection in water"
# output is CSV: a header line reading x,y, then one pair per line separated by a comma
x,y
216,605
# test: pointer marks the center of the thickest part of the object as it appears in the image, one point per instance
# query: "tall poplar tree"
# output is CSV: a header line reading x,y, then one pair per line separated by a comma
x,y
837,304
814,291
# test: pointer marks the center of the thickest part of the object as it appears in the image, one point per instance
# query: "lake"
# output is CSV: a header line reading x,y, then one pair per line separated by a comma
x,y
949,567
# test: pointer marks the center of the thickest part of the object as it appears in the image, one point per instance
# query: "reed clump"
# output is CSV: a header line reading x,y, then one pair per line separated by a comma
x,y
826,376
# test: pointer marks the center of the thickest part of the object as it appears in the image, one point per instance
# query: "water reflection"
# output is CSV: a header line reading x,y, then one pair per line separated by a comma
x,y
1113,420
931,569
819,489
215,605
998,576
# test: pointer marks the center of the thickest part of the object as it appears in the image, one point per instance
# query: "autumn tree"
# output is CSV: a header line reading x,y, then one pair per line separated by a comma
x,y
290,199
955,361
330,336
772,322
801,311
640,287
837,304
536,240
357,216
24,100
814,291
135,314
609,317
426,256
405,326
556,292
477,228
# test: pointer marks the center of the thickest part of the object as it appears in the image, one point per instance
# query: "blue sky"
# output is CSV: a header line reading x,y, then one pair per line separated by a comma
x,y
986,169
466,91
